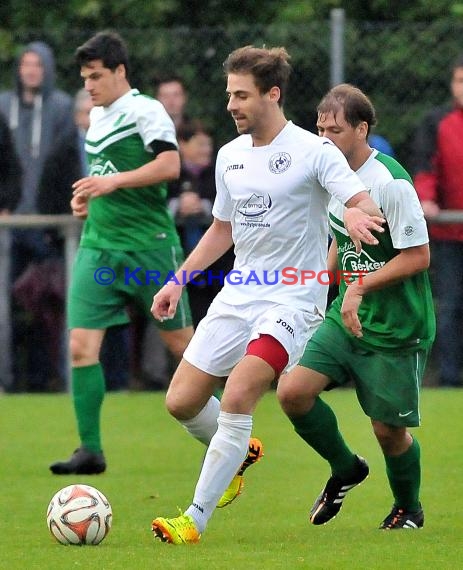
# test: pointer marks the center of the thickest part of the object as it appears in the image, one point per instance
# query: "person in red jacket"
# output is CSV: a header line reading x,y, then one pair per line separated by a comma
x,y
438,180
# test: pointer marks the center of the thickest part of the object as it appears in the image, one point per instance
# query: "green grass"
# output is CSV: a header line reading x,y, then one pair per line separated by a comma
x,y
153,466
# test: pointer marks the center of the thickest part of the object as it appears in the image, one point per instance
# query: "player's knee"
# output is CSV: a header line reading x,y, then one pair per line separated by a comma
x,y
390,438
180,407
76,351
175,407
81,350
285,395
295,398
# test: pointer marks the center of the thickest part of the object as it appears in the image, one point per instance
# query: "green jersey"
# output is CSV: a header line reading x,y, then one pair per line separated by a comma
x,y
400,316
118,140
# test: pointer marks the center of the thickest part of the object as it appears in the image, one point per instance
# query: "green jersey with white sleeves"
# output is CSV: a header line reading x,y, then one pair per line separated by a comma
x,y
118,140
400,316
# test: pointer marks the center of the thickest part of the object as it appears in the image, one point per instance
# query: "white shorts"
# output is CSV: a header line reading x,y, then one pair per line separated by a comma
x,y
221,338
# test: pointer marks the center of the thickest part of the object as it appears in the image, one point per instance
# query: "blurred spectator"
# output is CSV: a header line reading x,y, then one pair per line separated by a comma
x,y
190,199
82,107
381,143
10,171
153,364
41,120
10,193
114,355
439,183
171,92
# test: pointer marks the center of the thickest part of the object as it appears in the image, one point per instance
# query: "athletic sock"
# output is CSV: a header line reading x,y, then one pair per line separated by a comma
x,y
319,428
203,426
404,474
88,389
226,452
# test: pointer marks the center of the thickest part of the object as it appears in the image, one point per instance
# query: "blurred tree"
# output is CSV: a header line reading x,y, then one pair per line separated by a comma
x,y
17,15
193,37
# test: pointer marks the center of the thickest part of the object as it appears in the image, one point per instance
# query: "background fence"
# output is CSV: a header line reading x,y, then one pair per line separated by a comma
x,y
403,67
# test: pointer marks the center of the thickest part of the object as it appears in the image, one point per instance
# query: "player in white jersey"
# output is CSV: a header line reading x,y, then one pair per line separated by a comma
x,y
378,331
273,187
265,193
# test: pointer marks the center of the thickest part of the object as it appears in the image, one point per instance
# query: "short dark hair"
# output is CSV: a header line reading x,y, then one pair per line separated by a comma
x,y
169,78
356,105
269,67
107,46
188,129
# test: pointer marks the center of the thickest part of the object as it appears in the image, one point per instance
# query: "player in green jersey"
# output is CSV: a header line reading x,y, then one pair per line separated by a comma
x,y
378,331
132,152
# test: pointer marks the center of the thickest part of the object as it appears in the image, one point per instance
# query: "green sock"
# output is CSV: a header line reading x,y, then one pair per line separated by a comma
x,y
319,428
404,474
88,389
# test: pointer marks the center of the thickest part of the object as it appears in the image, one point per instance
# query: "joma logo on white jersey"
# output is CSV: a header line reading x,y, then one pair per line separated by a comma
x,y
235,167
286,326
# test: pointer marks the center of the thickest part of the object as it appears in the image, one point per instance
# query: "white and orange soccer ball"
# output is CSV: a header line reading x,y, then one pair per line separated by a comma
x,y
79,514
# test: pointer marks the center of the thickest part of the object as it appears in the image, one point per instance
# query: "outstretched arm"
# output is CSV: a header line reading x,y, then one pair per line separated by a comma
x,y
214,243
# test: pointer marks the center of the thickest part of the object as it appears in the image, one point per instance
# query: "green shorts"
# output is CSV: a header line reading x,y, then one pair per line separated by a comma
x,y
387,384
105,281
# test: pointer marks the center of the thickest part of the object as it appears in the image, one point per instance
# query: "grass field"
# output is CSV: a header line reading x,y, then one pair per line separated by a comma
x,y
153,465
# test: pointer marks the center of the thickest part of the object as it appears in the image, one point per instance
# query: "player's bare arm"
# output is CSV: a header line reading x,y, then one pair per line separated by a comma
x,y
166,166
409,261
361,217
214,243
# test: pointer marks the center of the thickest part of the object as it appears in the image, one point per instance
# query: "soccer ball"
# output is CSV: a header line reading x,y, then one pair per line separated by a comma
x,y
79,514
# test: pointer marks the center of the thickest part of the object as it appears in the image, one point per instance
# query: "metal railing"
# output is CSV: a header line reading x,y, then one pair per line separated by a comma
x,y
447,217
68,225
70,228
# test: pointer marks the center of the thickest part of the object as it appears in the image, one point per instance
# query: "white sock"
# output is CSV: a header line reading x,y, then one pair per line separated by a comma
x,y
203,426
226,453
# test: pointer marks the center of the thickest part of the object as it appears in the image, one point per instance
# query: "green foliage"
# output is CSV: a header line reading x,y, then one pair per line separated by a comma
x,y
7,45
401,63
405,69
153,466
384,10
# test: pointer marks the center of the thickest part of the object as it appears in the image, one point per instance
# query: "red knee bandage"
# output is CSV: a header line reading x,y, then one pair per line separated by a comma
x,y
271,350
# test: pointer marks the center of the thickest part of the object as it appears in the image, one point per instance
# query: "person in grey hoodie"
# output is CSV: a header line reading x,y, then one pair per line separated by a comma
x,y
40,118
10,192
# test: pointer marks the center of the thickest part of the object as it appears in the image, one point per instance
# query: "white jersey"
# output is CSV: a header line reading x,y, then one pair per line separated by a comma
x,y
276,199
392,190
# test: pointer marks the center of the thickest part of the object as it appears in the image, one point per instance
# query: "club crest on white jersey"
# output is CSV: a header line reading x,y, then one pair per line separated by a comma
x,y
279,162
